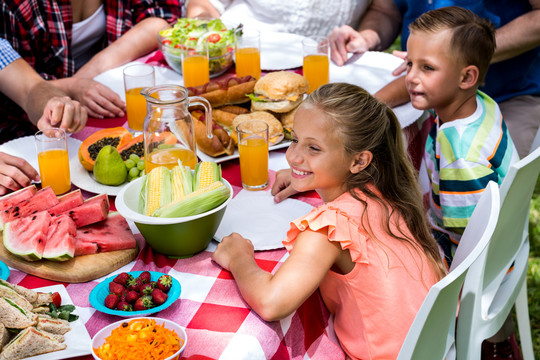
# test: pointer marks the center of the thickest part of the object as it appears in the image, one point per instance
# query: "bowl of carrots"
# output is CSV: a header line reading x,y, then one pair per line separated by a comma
x,y
140,338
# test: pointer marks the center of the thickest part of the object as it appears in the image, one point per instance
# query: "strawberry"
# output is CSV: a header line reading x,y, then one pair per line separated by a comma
x,y
145,277
143,303
132,296
124,306
164,283
123,295
116,288
122,278
134,284
158,297
153,283
111,301
146,289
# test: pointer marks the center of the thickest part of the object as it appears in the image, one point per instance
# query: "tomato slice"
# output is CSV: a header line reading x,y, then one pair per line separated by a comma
x,y
214,38
57,300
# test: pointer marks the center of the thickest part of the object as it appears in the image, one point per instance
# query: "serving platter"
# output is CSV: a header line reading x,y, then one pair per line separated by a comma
x,y
4,271
280,51
78,340
85,180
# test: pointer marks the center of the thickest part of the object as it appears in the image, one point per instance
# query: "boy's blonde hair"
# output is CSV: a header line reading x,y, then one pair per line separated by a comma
x,y
363,123
473,39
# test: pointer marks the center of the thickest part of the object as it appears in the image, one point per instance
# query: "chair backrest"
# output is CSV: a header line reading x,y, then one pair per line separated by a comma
x,y
536,142
431,335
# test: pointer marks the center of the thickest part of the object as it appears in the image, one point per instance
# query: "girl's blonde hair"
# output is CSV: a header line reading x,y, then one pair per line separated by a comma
x,y
364,123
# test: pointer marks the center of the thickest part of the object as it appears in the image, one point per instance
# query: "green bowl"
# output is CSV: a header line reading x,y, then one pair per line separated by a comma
x,y
175,237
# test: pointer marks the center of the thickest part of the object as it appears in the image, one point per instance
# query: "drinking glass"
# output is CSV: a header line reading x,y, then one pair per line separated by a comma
x,y
316,51
253,150
195,65
53,159
248,52
136,78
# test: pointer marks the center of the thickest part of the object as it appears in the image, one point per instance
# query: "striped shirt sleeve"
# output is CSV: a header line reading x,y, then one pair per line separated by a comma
x,y
7,54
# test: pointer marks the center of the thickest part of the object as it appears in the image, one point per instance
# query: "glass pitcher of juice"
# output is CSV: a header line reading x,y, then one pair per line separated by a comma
x,y
169,131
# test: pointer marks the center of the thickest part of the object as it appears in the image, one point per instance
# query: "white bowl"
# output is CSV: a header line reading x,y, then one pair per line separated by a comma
x,y
99,338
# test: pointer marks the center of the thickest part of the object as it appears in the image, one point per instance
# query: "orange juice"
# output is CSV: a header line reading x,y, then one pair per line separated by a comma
x,y
136,108
248,62
254,162
316,71
169,158
54,170
195,70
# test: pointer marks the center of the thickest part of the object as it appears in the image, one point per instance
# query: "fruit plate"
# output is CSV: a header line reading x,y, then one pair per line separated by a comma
x,y
84,179
4,271
78,340
98,294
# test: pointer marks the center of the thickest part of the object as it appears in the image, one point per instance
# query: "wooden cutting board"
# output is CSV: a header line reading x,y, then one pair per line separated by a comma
x,y
79,269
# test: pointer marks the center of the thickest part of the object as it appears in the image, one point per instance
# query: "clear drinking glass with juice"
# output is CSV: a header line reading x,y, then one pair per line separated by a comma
x,y
195,65
316,66
137,77
248,53
53,160
253,151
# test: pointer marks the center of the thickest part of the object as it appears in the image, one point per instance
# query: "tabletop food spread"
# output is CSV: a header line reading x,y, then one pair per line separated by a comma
x,y
103,272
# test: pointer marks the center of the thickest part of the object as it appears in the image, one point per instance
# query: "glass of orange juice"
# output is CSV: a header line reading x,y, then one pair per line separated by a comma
x,y
137,77
248,52
316,52
195,65
253,150
53,159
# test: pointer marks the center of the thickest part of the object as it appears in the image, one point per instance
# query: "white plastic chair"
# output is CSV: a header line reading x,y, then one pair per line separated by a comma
x,y
432,333
536,141
490,291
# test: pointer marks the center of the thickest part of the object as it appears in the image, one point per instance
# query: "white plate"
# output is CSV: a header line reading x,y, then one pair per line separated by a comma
x,y
78,340
84,179
220,159
372,71
25,147
280,51
114,78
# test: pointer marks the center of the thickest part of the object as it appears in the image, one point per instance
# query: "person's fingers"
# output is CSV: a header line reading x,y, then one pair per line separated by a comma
x,y
400,69
400,54
284,194
338,46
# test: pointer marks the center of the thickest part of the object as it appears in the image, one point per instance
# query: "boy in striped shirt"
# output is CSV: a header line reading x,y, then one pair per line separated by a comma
x,y
448,54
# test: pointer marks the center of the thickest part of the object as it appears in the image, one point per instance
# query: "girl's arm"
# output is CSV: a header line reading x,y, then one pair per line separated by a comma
x,y
274,297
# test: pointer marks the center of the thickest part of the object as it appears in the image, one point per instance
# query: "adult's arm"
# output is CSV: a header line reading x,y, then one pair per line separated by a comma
x,y
201,8
519,35
378,29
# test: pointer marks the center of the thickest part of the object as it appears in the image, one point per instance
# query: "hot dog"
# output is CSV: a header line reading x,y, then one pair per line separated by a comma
x,y
226,91
221,143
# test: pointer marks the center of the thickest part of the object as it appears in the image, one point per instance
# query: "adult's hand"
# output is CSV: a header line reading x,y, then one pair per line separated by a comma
x,y
282,188
344,40
15,173
232,247
403,67
64,113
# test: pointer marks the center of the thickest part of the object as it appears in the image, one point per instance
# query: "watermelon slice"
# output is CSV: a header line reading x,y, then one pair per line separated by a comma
x,y
42,200
109,235
26,236
60,245
91,211
67,202
16,197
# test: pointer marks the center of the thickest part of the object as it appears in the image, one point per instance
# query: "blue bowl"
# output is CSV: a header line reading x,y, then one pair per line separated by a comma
x,y
100,292
4,271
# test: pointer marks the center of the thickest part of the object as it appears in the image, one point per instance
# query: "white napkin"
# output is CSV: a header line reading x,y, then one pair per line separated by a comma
x,y
255,216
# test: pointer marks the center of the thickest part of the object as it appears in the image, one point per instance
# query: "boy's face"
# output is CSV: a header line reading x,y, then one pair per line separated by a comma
x,y
433,70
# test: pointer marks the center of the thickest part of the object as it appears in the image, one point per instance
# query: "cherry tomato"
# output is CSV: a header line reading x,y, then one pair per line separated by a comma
x,y
166,42
57,300
180,46
214,38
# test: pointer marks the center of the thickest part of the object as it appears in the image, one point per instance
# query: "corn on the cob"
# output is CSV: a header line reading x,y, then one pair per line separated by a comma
x,y
182,181
206,173
197,202
156,190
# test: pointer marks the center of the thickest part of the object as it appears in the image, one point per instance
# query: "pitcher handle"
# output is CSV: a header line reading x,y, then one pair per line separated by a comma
x,y
207,112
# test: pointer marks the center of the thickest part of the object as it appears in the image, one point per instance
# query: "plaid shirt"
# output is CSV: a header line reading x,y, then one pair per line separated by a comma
x,y
40,31
7,54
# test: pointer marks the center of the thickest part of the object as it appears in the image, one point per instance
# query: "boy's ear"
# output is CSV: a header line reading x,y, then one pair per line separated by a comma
x,y
361,161
469,77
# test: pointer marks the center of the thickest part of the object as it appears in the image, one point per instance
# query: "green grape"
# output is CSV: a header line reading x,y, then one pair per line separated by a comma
x,y
142,172
140,165
135,158
134,172
130,163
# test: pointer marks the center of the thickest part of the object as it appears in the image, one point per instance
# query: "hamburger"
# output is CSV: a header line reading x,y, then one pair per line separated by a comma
x,y
275,129
279,91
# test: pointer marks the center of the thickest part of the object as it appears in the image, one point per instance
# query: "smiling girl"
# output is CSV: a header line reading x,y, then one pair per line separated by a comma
x,y
368,248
